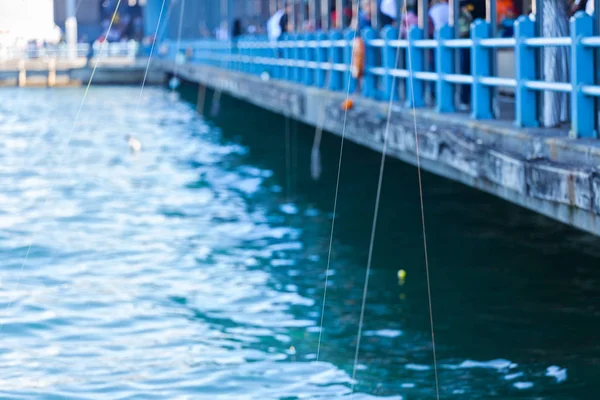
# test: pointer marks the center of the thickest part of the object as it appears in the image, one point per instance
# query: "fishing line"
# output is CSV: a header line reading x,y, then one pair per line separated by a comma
x,y
318,132
178,45
66,145
412,89
376,213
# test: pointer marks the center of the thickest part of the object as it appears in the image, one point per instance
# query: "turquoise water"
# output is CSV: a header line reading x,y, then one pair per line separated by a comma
x,y
195,269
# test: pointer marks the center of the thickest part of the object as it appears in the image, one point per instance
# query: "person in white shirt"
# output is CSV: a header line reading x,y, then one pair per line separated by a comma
x,y
439,12
389,12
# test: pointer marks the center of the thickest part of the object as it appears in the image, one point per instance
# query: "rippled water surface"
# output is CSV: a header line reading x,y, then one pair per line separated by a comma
x,y
195,269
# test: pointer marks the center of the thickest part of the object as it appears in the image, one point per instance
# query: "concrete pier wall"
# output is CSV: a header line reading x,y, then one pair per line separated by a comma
x,y
540,169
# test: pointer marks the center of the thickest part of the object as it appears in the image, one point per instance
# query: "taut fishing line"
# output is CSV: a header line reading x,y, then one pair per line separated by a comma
x,y
318,134
376,213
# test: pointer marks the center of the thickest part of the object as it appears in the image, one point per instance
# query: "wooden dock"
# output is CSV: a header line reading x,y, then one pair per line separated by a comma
x,y
53,72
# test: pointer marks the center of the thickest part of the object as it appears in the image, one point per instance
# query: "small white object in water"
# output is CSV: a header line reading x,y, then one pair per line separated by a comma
x,y
174,83
134,144
265,76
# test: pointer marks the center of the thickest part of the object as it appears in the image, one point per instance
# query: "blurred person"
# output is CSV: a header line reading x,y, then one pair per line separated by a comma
x,y
277,25
389,12
579,5
439,12
308,25
347,12
236,31
364,15
470,10
408,20
507,24
285,24
346,15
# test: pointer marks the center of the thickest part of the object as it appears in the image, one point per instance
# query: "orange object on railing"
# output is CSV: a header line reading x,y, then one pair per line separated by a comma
x,y
358,58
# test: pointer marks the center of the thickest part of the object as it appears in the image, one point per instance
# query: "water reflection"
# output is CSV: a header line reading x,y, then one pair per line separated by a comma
x,y
189,270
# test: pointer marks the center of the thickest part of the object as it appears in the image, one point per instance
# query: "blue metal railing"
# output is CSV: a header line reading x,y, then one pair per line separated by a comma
x,y
323,60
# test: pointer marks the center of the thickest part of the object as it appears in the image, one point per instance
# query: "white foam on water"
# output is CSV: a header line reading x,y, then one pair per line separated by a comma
x,y
282,263
311,212
289,209
560,374
498,364
286,246
417,367
408,385
248,186
513,376
389,333
523,385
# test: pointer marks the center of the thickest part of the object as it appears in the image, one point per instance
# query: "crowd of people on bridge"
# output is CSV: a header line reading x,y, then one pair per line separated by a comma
x,y
297,17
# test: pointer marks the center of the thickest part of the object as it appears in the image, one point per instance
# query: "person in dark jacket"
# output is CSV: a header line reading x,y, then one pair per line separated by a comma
x,y
237,29
470,10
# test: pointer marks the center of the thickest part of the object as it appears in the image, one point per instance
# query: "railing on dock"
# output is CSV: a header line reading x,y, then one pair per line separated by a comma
x,y
129,50
323,60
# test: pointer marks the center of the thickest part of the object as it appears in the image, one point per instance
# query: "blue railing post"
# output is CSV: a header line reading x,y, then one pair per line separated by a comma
x,y
252,54
481,95
251,66
257,53
294,53
415,63
285,51
265,53
225,52
525,69
321,57
228,53
309,55
582,73
275,55
252,49
335,57
244,53
390,56
444,65
349,82
368,88
233,50
259,67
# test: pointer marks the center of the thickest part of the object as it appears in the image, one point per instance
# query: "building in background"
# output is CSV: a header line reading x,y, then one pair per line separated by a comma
x,y
203,18
22,21
93,19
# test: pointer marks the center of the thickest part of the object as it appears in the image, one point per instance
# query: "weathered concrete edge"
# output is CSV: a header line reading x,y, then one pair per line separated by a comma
x,y
505,162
